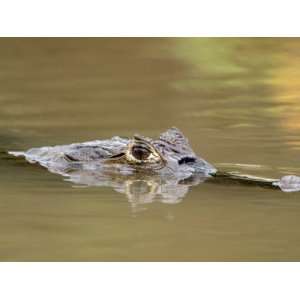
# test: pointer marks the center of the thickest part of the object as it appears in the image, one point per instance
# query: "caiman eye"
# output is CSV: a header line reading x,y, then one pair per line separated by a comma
x,y
140,152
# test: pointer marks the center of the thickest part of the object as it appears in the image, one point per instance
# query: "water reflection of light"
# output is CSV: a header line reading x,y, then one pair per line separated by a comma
x,y
243,83
286,89
286,84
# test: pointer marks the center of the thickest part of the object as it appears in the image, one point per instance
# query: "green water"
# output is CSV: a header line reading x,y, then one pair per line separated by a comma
x,y
238,102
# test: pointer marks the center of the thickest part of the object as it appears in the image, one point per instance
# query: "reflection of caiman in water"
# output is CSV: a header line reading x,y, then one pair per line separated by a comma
x,y
143,168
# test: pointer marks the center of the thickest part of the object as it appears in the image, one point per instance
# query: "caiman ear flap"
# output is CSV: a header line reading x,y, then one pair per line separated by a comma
x,y
174,137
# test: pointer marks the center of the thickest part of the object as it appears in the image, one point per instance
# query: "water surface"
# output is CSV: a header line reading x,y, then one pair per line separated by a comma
x,y
238,102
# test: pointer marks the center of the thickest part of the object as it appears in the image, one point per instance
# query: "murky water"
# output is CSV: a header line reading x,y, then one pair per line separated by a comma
x,y
238,101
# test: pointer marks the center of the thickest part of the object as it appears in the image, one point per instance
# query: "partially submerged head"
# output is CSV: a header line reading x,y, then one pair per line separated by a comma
x,y
143,168
170,154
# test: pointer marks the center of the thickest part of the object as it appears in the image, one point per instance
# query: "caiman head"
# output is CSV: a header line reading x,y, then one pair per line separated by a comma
x,y
170,154
140,167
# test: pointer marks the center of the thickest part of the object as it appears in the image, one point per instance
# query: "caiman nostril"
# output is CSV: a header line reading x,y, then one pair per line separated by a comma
x,y
186,160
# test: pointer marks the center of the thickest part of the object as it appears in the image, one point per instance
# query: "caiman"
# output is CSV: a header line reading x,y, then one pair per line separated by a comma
x,y
166,165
